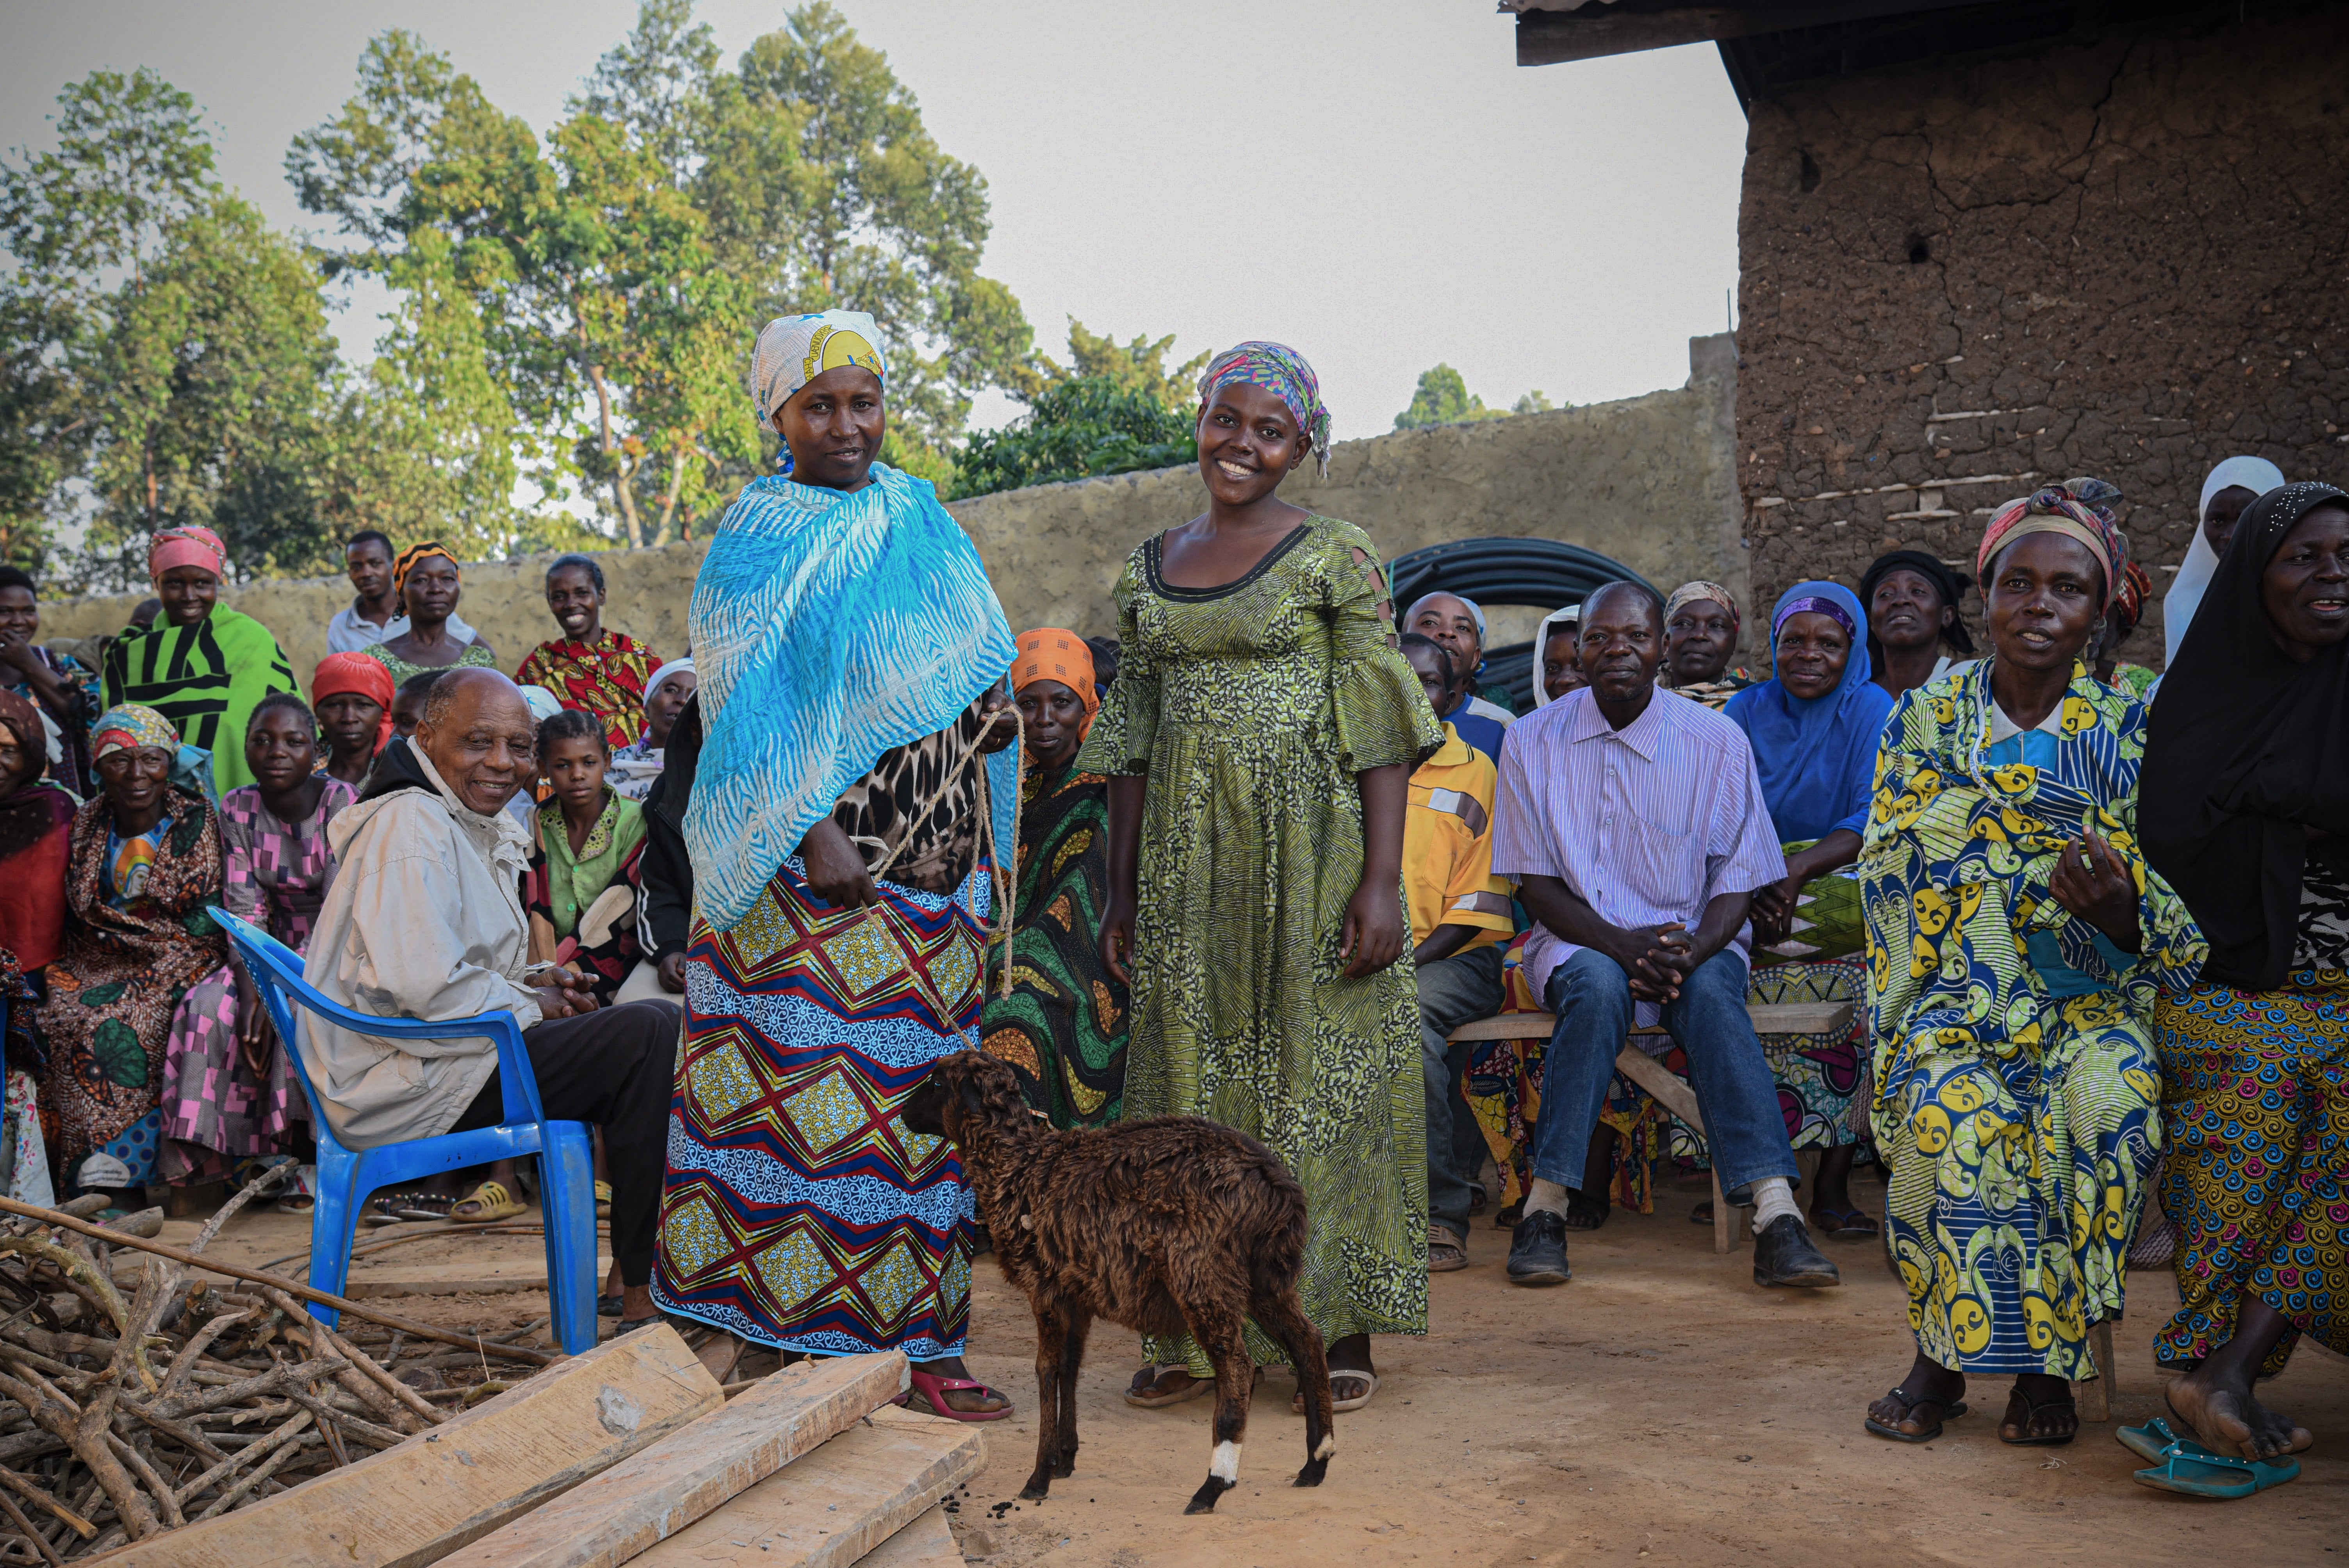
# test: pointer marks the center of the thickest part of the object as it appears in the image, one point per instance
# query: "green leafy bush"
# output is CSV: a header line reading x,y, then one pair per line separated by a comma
x,y
1075,429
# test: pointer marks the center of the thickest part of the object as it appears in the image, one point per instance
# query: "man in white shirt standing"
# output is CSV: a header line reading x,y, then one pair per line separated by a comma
x,y
1637,833
375,616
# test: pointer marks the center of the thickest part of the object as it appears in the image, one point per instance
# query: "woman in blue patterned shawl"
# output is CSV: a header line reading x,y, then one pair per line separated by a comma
x,y
2016,941
848,645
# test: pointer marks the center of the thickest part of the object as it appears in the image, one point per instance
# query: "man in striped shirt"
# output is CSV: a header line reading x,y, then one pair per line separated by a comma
x,y
1636,833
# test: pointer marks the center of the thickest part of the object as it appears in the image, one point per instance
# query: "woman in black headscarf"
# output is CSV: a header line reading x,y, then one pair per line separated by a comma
x,y
1912,599
2244,808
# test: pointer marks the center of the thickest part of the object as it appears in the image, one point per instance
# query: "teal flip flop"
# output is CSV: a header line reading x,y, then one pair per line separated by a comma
x,y
2184,1466
2150,1442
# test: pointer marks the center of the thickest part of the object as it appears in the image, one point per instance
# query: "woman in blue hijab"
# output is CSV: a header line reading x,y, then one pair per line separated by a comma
x,y
1816,727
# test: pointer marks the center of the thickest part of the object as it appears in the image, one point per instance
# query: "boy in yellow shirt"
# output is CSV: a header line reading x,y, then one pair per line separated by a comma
x,y
1460,920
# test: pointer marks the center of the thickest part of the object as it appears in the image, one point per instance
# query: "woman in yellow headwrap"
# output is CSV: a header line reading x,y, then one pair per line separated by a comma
x,y
1062,1027
426,583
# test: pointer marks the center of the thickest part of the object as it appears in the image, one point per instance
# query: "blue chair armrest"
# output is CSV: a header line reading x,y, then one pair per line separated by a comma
x,y
517,1084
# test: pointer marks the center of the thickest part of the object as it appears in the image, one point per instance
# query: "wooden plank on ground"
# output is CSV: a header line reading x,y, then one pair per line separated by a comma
x,y
632,1506
414,1505
927,1543
1769,1019
839,1502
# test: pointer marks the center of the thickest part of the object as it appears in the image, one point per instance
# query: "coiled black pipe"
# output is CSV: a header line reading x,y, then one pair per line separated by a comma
x,y
1540,572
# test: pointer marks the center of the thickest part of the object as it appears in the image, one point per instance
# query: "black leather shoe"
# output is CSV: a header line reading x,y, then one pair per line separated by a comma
x,y
1782,1254
1538,1250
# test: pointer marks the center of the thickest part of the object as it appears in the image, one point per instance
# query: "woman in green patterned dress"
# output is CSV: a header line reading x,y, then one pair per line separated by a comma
x,y
1260,743
1062,1026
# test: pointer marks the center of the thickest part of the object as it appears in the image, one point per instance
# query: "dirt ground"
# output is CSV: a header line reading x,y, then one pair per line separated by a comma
x,y
1660,1407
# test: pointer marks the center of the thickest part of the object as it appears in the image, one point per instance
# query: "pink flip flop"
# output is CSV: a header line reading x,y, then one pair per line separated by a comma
x,y
932,1389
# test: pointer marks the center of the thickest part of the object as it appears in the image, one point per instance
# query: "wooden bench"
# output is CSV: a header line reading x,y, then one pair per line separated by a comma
x,y
1671,1090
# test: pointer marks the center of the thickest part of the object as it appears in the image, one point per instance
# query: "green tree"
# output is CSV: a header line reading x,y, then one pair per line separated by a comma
x,y
619,271
426,441
1443,398
1075,429
824,189
208,394
1136,366
44,437
174,346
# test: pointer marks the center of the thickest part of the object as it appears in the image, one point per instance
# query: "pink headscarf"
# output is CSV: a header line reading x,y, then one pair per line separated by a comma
x,y
193,545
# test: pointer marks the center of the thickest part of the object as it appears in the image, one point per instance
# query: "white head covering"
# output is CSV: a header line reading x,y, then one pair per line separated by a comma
x,y
675,667
543,704
2185,596
794,350
1570,616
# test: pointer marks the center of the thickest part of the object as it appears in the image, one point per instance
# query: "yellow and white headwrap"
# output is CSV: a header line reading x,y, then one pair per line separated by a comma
x,y
794,350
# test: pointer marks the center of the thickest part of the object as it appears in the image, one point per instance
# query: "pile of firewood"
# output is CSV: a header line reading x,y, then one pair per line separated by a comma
x,y
121,1418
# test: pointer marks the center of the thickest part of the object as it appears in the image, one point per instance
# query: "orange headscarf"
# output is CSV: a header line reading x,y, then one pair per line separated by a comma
x,y
1049,653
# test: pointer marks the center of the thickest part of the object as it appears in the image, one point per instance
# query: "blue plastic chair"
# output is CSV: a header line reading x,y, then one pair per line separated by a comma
x,y
345,1176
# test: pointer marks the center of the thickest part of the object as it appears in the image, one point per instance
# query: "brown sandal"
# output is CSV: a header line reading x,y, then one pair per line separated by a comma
x,y
1155,1398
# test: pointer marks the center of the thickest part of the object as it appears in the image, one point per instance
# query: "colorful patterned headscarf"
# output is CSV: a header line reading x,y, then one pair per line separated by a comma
x,y
2054,511
794,350
407,562
2128,605
1281,371
1689,592
2099,496
193,545
1049,653
128,727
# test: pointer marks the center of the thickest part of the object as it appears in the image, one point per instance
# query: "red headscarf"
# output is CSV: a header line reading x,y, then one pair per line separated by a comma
x,y
359,675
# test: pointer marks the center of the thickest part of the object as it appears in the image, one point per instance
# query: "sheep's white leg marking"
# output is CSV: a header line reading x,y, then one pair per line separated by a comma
x,y
1329,1446
1225,1466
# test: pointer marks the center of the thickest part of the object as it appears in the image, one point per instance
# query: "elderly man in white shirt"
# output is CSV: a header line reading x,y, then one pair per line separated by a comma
x,y
424,919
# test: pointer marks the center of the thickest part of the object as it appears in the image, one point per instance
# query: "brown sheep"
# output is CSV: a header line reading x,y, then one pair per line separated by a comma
x,y
1162,1225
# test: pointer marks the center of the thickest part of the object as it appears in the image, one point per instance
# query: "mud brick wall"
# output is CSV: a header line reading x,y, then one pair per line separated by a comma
x,y
2127,258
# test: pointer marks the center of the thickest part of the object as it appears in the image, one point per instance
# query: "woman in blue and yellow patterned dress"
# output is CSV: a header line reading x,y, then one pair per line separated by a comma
x,y
2016,944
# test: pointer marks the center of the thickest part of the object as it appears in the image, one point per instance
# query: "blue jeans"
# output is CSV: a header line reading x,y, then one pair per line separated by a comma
x,y
1745,1129
1452,992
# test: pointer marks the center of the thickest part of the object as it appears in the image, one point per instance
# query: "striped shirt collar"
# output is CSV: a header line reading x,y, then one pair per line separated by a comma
x,y
1644,735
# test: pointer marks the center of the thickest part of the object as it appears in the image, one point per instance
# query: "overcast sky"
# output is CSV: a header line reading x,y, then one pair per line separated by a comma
x,y
1374,182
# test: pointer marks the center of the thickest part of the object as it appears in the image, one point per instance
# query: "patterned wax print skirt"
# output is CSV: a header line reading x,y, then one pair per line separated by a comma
x,y
2255,1101
797,1211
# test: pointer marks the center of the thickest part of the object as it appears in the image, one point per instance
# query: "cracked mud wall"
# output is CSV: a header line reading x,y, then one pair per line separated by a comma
x,y
2127,259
